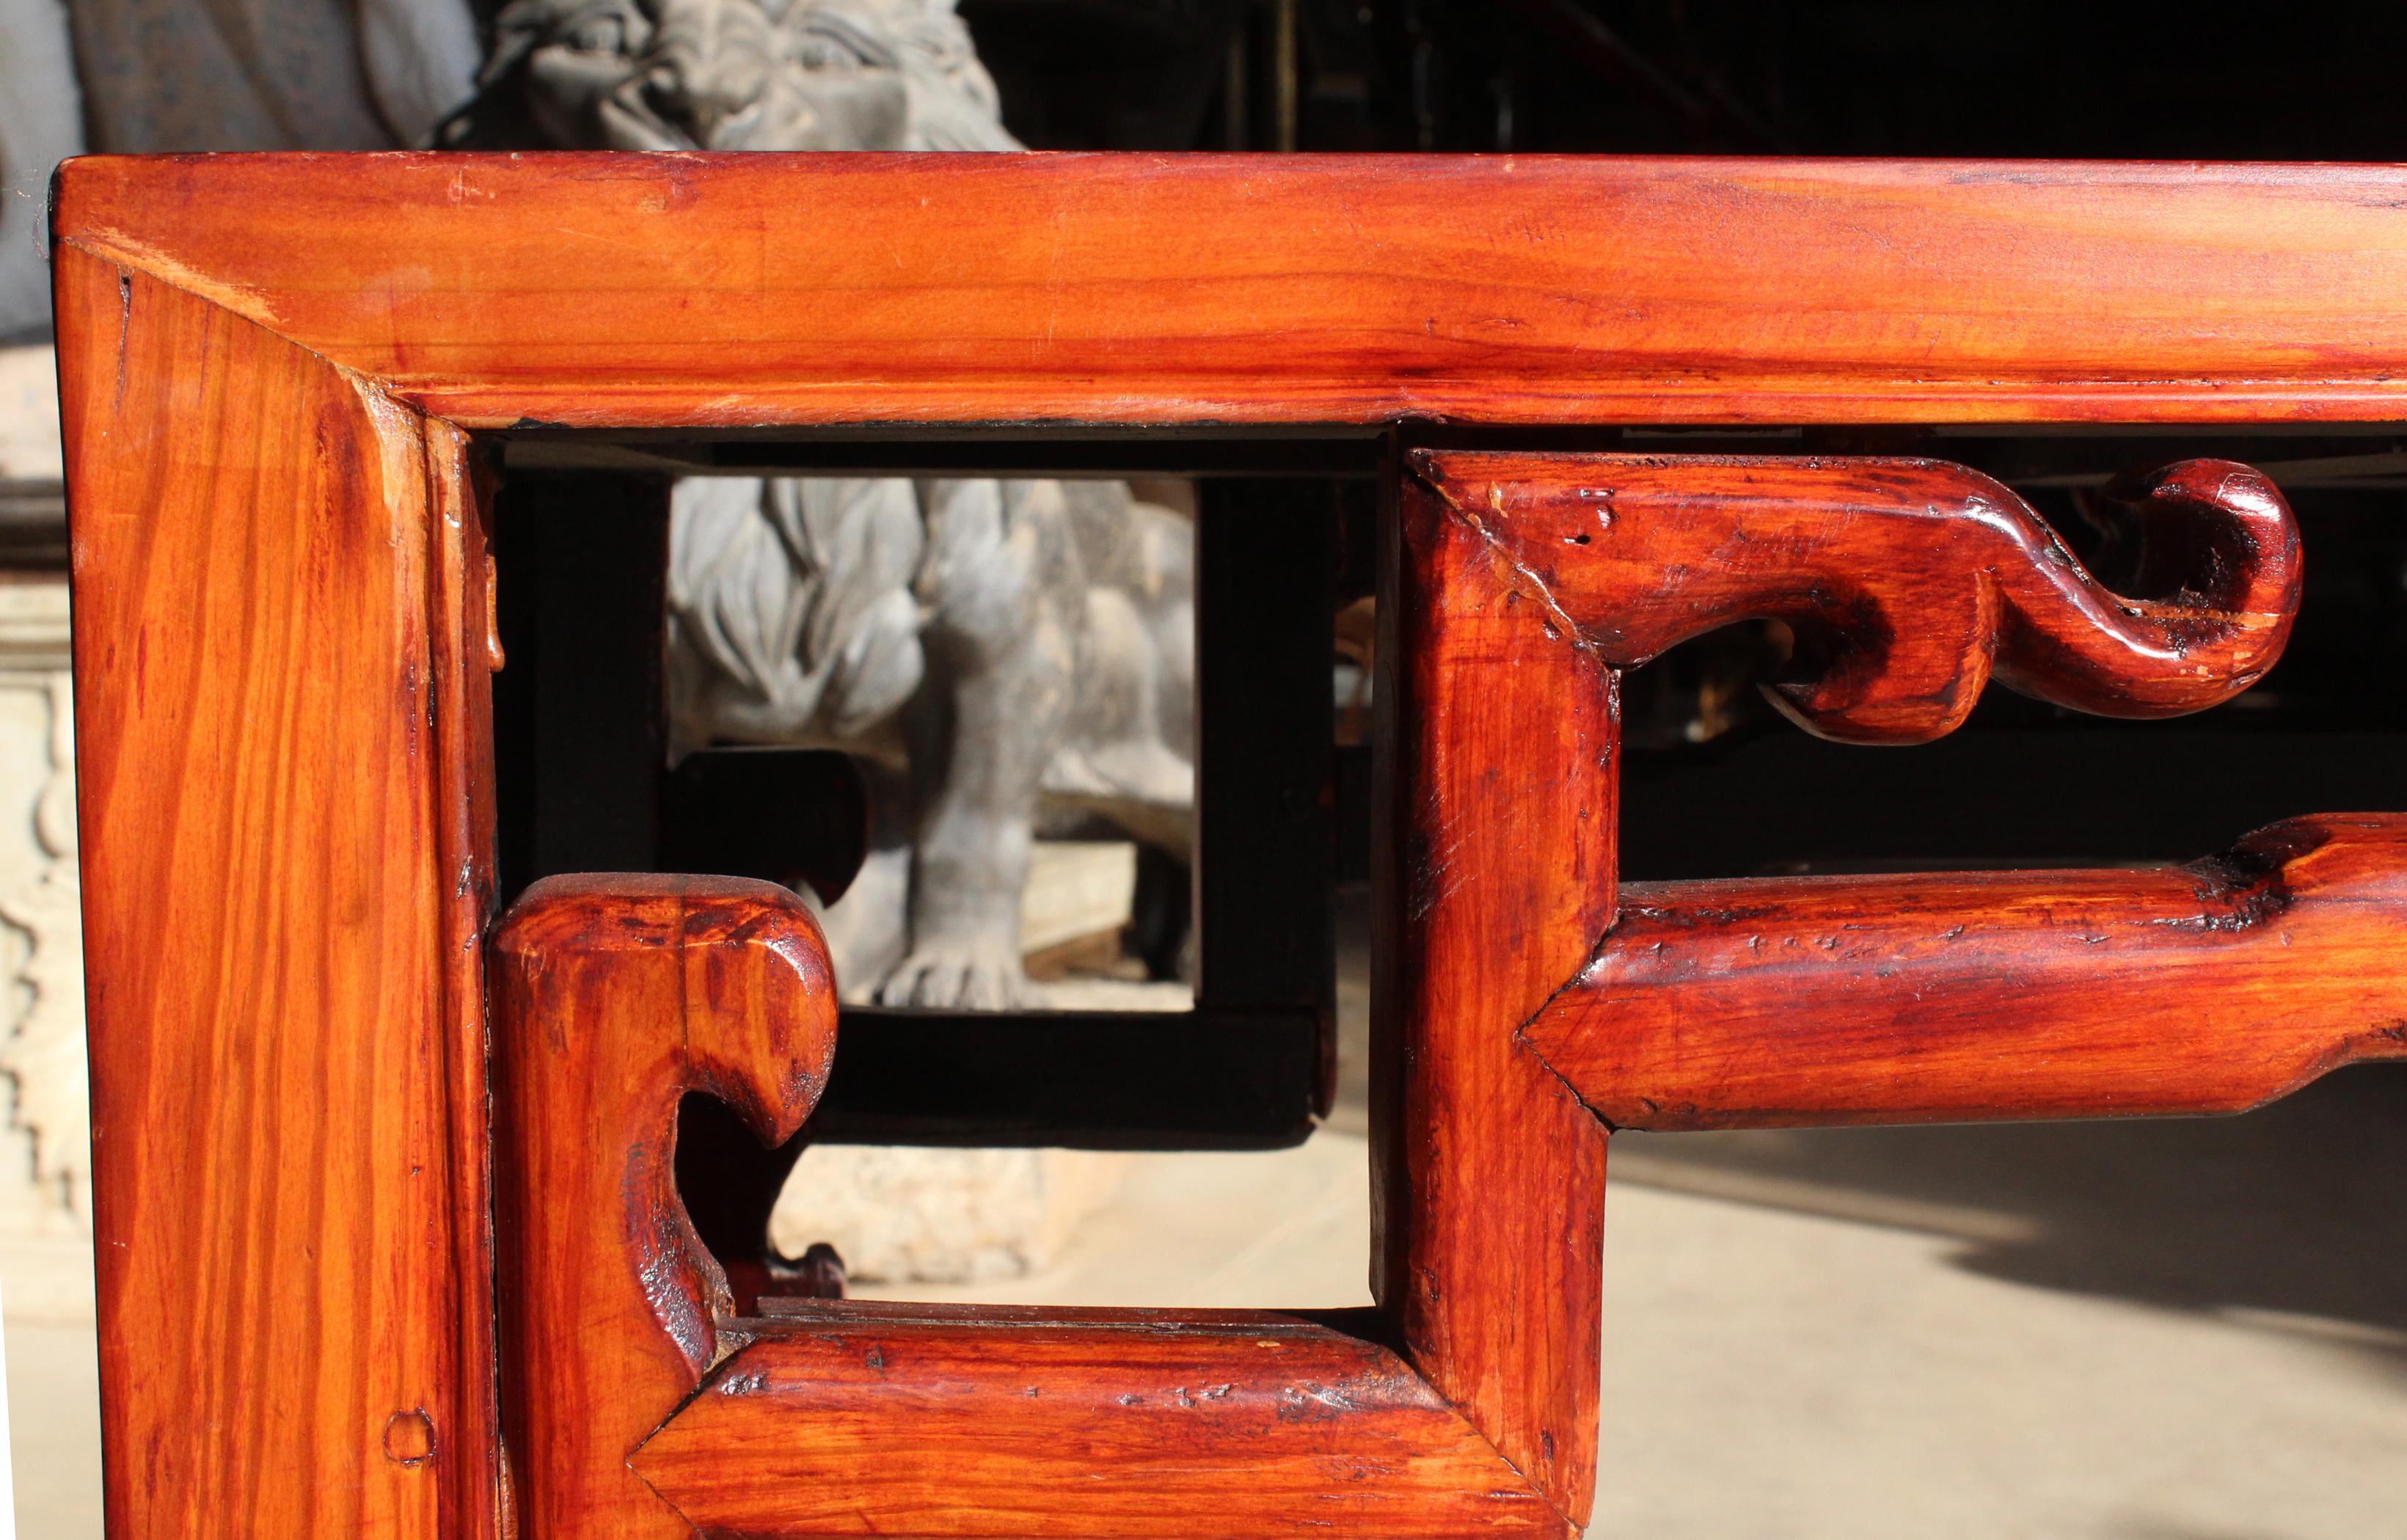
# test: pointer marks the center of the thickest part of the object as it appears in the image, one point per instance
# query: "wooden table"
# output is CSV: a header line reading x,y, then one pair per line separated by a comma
x,y
276,374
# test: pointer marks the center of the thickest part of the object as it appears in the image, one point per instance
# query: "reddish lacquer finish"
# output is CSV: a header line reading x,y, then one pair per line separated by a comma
x,y
980,1423
637,1404
1908,582
270,369
613,997
1496,745
282,763
1907,585
2207,987
654,291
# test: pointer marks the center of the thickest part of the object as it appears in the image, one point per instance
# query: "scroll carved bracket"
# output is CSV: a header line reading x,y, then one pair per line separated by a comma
x,y
1907,583
616,995
638,1405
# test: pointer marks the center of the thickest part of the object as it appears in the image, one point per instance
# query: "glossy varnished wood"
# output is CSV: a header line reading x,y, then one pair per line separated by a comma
x,y
1906,586
637,1404
268,365
1498,700
650,290
1908,582
616,996
2208,987
465,652
1001,1424
279,832
1497,739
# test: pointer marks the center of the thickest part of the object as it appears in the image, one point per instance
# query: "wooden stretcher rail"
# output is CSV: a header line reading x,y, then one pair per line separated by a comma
x,y
638,1405
1907,585
987,1424
742,291
269,369
2208,987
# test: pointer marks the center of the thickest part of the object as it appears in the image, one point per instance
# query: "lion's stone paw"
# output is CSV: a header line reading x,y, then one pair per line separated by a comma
x,y
960,975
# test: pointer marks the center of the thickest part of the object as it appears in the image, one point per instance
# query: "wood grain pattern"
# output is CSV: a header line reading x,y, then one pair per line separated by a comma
x,y
285,1193
1497,739
1907,582
2208,987
464,652
949,1424
268,365
616,995
652,291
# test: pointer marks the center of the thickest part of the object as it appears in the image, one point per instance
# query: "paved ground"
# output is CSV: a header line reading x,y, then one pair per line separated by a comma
x,y
54,1431
2190,1331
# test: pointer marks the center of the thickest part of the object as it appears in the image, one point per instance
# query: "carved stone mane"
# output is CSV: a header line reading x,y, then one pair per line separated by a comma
x,y
999,640
744,75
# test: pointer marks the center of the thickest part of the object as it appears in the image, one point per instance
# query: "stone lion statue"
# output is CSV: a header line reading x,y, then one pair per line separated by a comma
x,y
988,648
744,75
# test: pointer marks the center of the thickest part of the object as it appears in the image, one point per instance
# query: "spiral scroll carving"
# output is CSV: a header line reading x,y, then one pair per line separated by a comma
x,y
1907,583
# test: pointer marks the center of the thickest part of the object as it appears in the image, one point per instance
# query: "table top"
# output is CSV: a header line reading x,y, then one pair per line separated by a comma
x,y
628,291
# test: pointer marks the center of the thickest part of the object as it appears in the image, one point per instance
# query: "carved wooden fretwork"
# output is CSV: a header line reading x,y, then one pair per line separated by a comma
x,y
271,369
1513,1038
